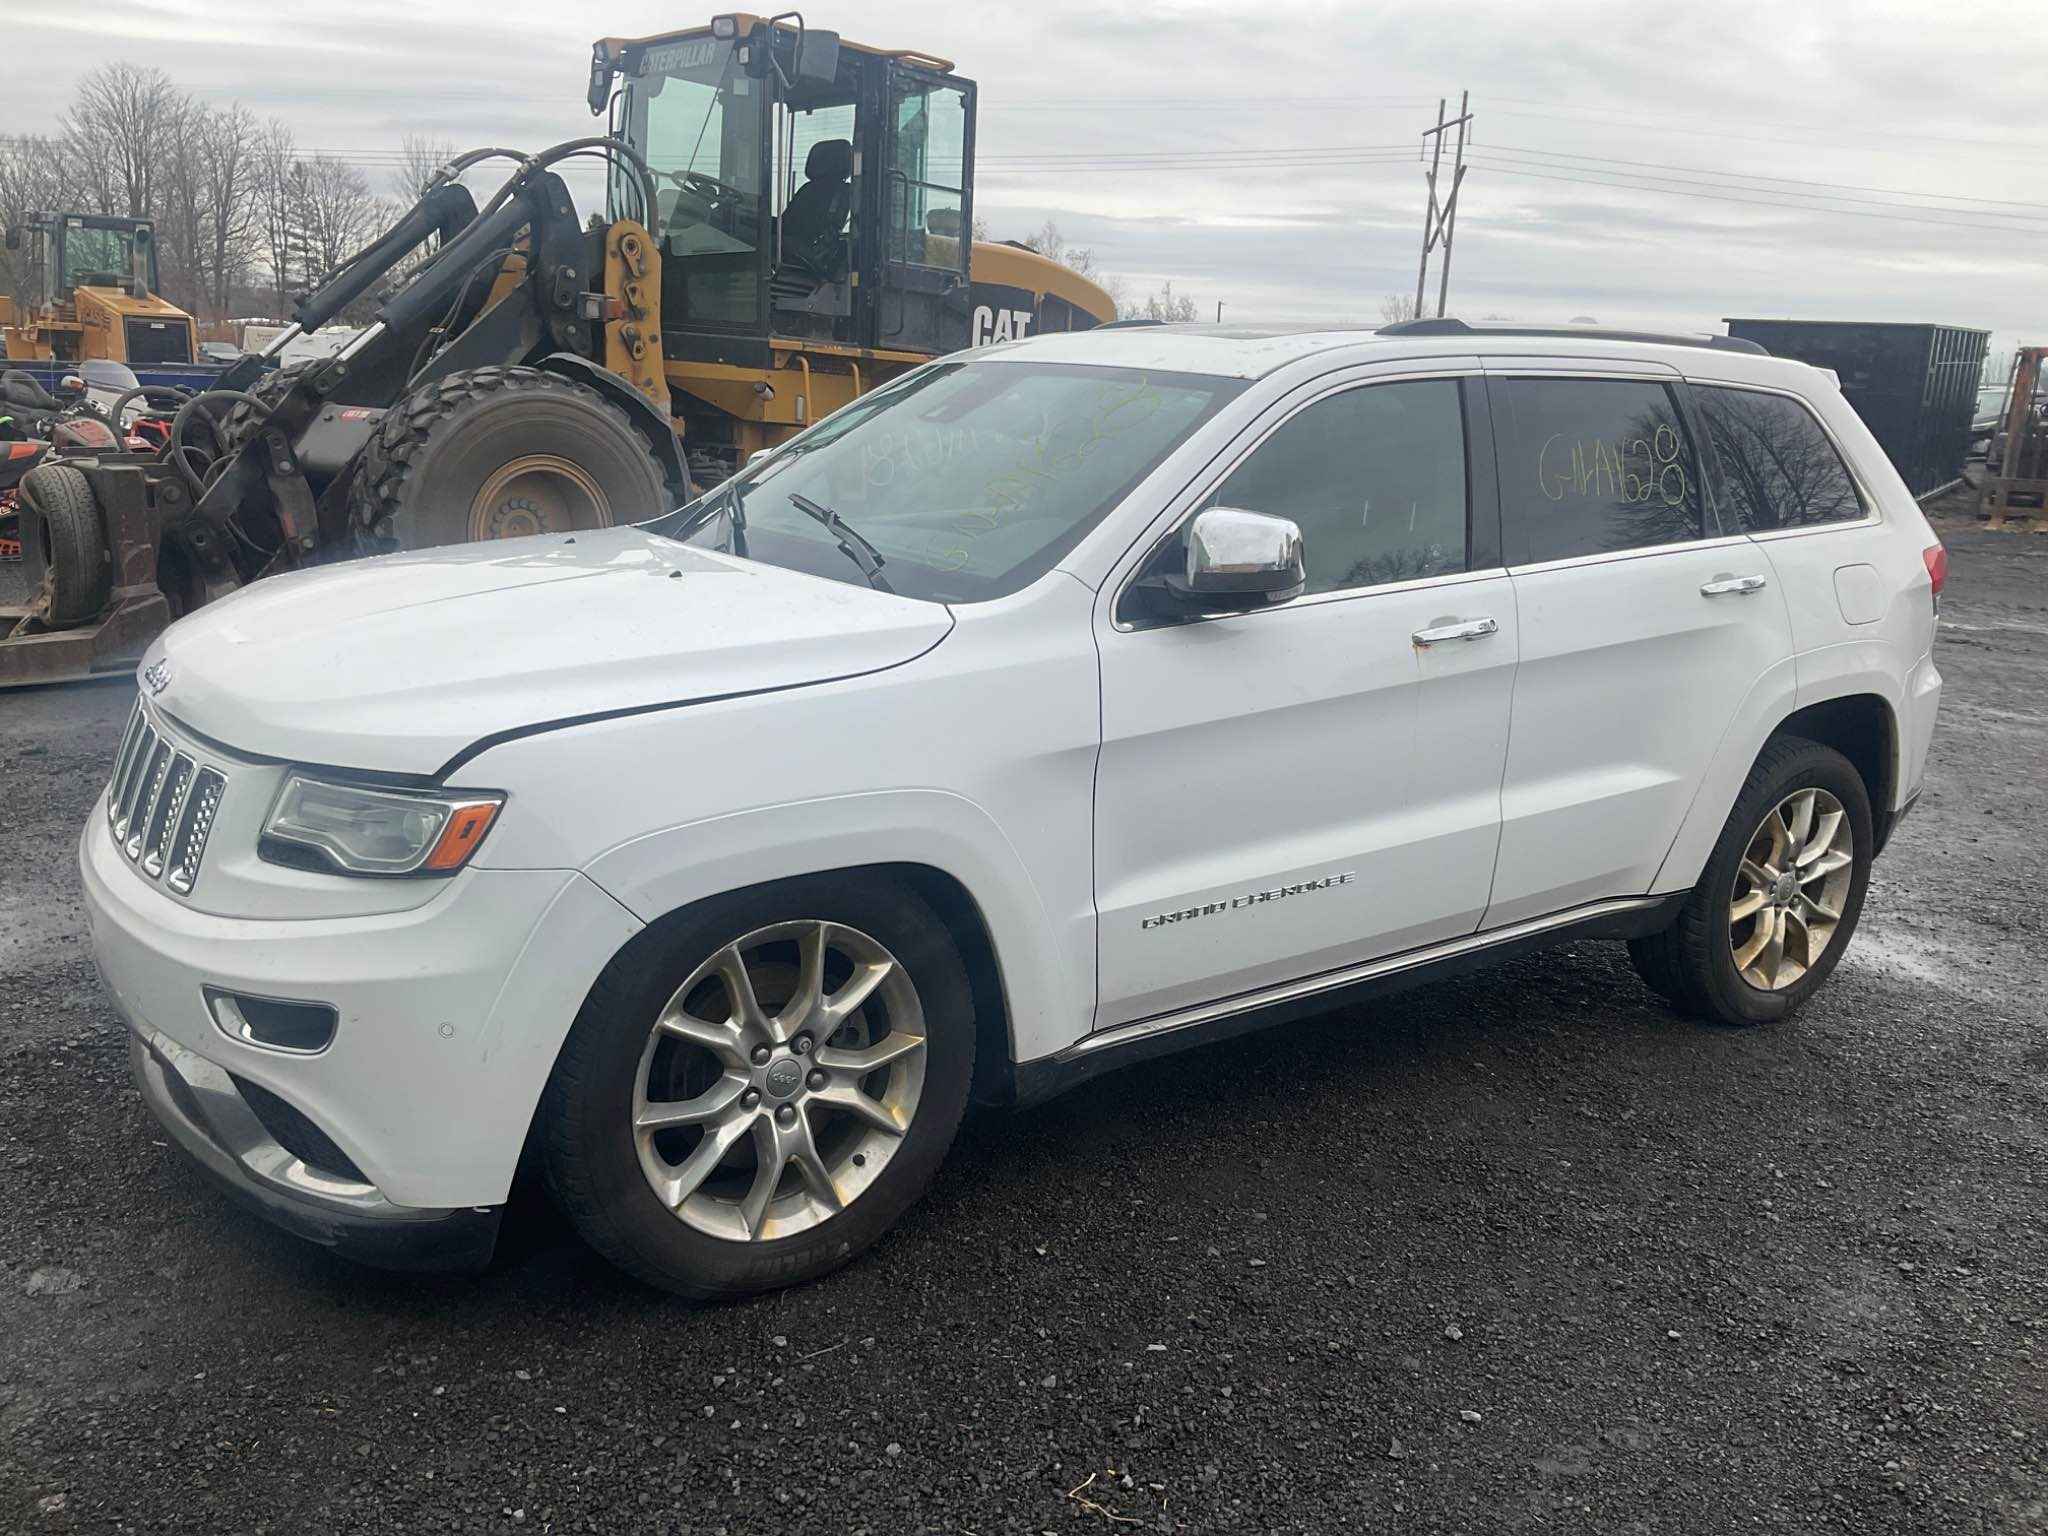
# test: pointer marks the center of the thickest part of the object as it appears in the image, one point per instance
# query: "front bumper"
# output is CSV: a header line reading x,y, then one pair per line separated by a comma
x,y
199,1104
450,1017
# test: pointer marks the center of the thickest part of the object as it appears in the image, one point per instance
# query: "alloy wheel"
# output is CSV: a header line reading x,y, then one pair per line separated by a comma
x,y
779,1080
1791,889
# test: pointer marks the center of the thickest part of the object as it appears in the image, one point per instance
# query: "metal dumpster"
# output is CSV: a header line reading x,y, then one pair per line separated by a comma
x,y
1915,386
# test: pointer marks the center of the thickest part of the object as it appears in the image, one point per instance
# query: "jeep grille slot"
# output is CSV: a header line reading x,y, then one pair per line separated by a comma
x,y
161,803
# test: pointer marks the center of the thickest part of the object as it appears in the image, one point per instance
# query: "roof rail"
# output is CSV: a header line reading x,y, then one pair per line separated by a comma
x,y
1451,326
1124,325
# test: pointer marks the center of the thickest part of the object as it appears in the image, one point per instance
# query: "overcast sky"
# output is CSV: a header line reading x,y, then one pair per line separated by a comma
x,y
1639,162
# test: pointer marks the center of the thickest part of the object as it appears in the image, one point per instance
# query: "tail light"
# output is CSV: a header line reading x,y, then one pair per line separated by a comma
x,y
1935,558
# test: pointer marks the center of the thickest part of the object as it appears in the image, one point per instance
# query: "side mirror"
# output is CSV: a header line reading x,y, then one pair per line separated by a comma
x,y
817,56
1238,560
601,72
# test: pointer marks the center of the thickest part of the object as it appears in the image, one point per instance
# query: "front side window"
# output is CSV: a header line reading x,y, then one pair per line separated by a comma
x,y
1778,468
1591,467
1375,479
970,479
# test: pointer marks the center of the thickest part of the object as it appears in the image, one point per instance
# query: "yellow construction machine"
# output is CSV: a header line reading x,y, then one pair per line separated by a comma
x,y
812,228
788,225
94,279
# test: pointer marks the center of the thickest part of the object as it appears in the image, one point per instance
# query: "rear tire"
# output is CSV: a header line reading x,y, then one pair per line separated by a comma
x,y
1716,961
64,550
500,453
750,1221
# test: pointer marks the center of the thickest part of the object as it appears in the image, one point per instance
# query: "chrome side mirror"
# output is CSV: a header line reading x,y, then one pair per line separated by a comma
x,y
1238,560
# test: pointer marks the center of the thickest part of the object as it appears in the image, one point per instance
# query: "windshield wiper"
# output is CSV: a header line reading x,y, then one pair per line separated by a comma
x,y
727,499
856,548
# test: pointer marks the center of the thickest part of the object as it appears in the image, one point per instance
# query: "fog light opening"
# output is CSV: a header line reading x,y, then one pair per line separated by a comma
x,y
276,1024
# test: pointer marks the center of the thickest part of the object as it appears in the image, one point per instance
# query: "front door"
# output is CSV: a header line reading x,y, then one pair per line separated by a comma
x,y
1644,627
1289,791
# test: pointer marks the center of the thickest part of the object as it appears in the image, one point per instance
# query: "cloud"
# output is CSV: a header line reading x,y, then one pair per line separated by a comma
x,y
1266,188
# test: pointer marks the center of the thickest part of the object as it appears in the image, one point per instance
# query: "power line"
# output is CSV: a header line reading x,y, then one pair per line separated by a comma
x,y
1512,169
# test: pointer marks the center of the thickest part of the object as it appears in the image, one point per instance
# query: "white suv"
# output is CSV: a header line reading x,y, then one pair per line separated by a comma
x,y
1047,709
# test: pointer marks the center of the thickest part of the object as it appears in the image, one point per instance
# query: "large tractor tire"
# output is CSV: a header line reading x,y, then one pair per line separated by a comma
x,y
499,453
63,547
239,422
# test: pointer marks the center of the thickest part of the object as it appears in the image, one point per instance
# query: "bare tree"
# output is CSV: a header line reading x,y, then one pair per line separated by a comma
x,y
1168,305
337,211
1396,307
33,180
230,162
420,157
277,157
115,126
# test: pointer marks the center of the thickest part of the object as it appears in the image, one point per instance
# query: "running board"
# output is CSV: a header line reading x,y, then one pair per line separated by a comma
x,y
1122,1044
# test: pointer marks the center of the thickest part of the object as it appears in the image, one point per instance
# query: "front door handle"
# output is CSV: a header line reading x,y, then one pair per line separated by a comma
x,y
1461,629
1721,586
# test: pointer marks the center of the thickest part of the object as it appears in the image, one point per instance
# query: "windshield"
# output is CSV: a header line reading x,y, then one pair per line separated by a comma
x,y
970,479
696,115
98,258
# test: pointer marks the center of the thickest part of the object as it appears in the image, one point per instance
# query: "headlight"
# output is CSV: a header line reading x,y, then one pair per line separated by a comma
x,y
363,831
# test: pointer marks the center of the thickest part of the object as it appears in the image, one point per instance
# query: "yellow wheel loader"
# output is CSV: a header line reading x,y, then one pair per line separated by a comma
x,y
787,227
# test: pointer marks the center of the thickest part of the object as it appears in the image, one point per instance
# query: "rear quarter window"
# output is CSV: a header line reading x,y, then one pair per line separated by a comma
x,y
1592,466
1777,466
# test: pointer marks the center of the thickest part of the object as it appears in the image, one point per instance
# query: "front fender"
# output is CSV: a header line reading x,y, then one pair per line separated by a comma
x,y
1048,981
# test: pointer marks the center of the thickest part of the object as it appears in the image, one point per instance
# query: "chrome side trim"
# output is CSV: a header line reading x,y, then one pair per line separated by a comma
x,y
1639,552
1330,981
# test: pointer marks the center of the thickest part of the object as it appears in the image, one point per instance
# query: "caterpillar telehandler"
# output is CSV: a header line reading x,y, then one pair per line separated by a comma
x,y
788,225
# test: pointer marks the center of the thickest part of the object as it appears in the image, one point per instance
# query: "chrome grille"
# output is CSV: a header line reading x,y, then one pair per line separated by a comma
x,y
161,802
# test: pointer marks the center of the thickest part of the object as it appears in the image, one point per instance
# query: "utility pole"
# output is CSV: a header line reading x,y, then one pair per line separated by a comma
x,y
1219,311
1440,219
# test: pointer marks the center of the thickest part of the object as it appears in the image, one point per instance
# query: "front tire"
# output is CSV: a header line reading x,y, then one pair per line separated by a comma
x,y
64,548
758,1087
1775,907
500,453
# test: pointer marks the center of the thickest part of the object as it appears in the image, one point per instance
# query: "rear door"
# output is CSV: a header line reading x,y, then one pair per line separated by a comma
x,y
1644,626
1286,792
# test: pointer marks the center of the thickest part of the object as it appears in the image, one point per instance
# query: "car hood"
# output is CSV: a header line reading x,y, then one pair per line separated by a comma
x,y
400,662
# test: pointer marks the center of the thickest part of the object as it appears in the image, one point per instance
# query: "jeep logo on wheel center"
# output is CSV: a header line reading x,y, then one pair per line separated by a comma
x,y
785,1077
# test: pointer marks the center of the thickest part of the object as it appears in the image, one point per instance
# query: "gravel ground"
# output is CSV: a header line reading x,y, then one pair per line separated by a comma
x,y
1518,1252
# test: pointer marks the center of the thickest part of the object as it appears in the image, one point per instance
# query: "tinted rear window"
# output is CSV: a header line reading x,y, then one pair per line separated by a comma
x,y
1592,466
1778,468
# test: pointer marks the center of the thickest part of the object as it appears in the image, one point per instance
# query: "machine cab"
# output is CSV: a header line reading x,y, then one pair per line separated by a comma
x,y
808,191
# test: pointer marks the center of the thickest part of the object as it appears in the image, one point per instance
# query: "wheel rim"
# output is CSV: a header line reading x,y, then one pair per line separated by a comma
x,y
779,1080
538,493
1791,889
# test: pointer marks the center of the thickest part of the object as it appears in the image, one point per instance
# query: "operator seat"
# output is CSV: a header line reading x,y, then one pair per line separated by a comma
x,y
815,220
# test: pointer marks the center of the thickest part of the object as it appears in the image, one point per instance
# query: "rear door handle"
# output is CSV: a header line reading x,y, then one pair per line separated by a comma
x,y
1721,586
1463,629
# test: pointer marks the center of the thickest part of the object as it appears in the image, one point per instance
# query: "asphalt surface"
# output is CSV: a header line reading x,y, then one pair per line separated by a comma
x,y
1519,1252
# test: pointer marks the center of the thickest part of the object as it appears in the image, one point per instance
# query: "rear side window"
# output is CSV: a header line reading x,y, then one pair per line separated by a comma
x,y
1374,477
1778,468
1592,466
